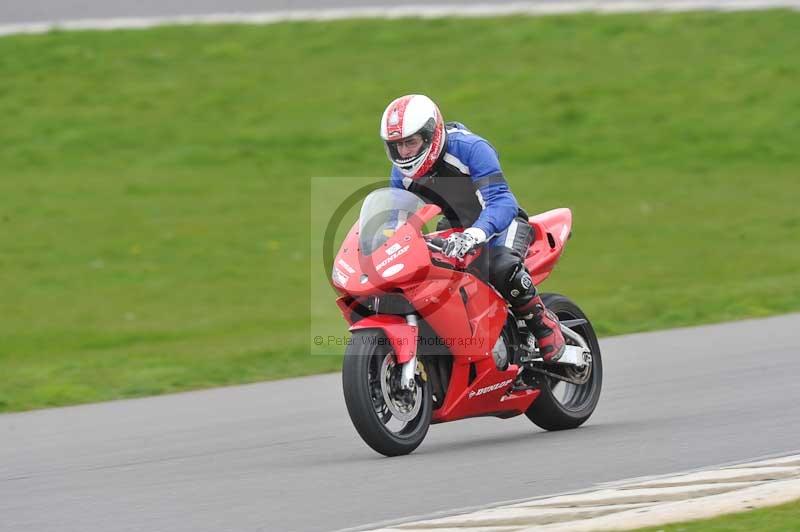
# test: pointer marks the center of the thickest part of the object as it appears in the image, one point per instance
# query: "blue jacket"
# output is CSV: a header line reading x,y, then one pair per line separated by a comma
x,y
467,183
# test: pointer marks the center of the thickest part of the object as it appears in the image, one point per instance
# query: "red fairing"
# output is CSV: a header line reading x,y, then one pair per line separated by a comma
x,y
489,394
551,229
401,259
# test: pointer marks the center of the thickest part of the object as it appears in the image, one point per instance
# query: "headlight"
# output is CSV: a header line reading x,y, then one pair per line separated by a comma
x,y
339,278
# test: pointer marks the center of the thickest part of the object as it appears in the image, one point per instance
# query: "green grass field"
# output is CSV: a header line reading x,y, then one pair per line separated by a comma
x,y
154,185
783,518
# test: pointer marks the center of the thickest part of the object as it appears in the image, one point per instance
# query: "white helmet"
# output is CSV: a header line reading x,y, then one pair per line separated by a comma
x,y
407,116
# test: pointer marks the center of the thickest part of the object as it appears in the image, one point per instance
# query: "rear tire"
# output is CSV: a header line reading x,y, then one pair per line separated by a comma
x,y
368,409
551,412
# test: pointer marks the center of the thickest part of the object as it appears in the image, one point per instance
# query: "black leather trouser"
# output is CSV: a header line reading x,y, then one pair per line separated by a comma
x,y
501,263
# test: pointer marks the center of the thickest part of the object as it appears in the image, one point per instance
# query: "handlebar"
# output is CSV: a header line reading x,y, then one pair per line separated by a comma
x,y
435,243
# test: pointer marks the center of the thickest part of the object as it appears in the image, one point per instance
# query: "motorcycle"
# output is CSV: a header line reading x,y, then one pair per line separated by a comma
x,y
431,342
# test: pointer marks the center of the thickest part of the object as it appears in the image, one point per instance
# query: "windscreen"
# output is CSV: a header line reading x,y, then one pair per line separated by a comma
x,y
382,213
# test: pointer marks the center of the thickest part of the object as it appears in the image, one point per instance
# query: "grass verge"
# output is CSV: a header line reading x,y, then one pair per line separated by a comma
x,y
154,185
783,518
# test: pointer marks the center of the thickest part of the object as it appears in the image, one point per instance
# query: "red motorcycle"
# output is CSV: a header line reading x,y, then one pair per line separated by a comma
x,y
431,342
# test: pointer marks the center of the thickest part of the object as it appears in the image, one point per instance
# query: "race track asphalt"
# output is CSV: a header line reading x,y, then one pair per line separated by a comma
x,y
284,456
19,15
17,11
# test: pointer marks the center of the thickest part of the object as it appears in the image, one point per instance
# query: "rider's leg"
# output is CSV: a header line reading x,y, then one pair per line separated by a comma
x,y
507,273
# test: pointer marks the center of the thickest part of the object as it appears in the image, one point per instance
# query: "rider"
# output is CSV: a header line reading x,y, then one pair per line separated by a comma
x,y
448,165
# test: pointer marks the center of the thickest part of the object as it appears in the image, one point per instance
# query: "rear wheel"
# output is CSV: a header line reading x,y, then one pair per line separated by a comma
x,y
563,405
391,420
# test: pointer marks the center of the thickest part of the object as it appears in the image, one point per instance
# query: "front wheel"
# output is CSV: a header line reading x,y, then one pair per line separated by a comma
x,y
562,405
391,420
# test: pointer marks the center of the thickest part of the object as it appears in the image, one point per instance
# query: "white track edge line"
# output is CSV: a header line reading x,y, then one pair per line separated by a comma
x,y
410,11
386,523
628,518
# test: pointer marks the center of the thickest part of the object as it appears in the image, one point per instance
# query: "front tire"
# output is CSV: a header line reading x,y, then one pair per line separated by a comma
x,y
563,405
391,421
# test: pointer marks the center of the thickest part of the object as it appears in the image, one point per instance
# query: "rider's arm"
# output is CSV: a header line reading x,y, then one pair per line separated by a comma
x,y
499,204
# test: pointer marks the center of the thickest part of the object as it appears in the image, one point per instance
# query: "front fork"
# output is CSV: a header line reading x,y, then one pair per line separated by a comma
x,y
410,367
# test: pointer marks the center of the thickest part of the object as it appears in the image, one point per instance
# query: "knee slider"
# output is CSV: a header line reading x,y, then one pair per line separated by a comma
x,y
521,288
513,281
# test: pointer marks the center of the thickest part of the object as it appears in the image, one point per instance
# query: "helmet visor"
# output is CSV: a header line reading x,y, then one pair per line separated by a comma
x,y
407,151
